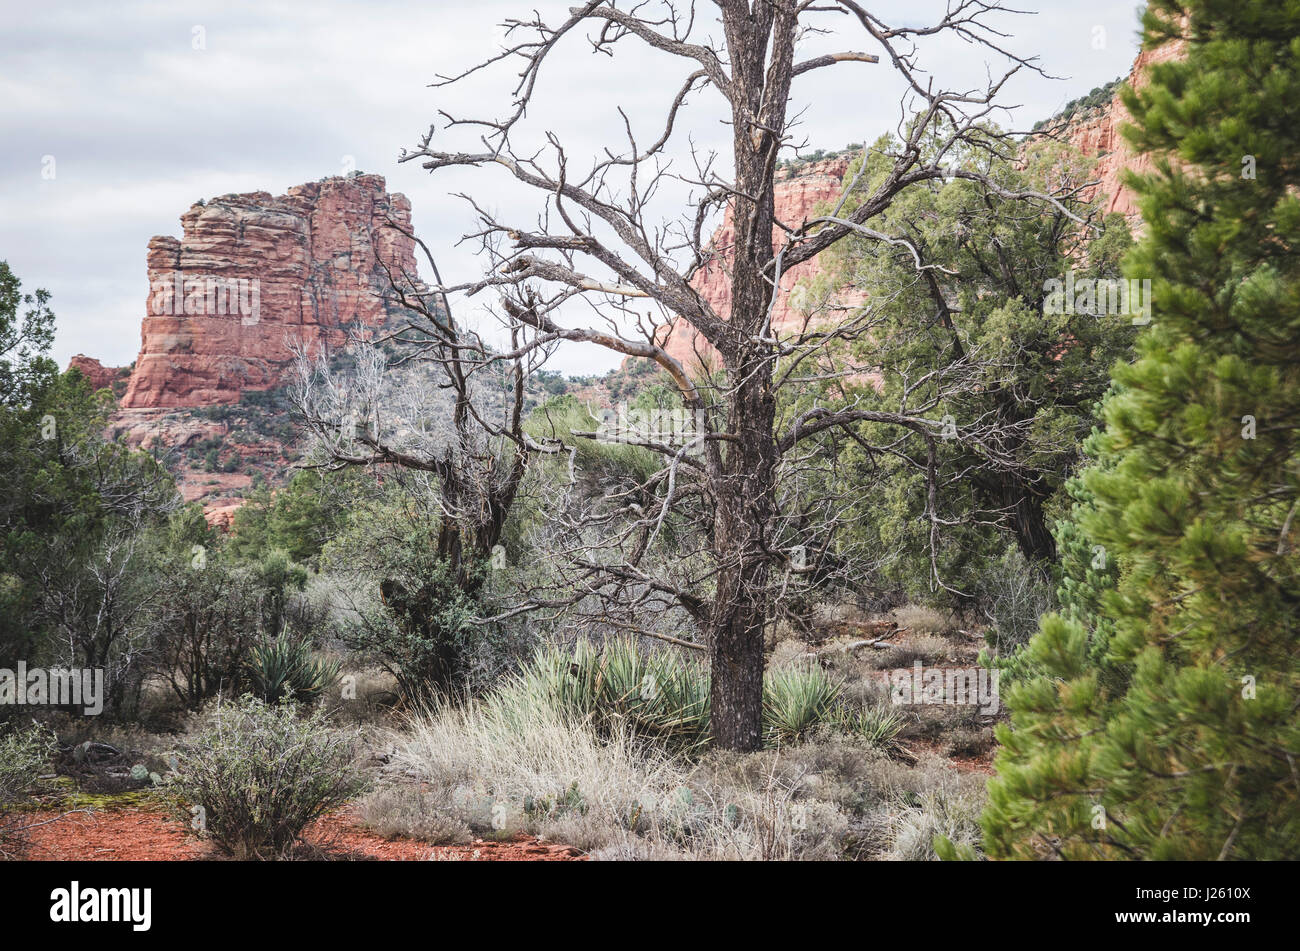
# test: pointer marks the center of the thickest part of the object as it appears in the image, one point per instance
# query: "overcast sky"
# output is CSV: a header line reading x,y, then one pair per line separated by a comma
x,y
117,116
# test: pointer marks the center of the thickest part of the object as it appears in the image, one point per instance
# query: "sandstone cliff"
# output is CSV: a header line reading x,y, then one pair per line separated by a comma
x,y
100,376
253,274
1096,135
797,194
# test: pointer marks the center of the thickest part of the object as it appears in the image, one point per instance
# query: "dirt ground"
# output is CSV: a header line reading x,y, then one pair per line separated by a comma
x,y
148,834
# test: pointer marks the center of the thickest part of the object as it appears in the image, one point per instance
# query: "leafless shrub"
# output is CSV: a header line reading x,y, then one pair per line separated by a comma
x,y
1016,594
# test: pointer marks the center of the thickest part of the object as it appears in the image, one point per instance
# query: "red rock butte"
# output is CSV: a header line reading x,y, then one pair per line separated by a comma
x,y
253,274
1099,137
798,195
100,376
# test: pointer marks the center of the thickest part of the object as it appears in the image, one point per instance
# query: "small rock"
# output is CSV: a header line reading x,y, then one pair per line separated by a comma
x,y
92,752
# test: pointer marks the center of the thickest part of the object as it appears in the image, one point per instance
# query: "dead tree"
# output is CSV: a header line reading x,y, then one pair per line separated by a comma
x,y
598,239
432,398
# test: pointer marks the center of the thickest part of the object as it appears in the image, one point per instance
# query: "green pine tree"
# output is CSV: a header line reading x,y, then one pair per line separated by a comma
x,y
1194,753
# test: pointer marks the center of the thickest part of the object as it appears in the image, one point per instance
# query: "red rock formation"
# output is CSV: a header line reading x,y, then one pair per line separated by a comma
x,y
797,195
222,517
187,435
162,430
1099,137
100,376
253,274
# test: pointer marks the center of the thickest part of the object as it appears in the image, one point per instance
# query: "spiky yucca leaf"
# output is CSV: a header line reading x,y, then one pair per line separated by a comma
x,y
795,699
285,666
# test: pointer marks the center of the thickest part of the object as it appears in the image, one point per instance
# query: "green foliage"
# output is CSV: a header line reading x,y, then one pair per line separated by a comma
x,y
976,335
1098,98
948,851
625,381
796,699
1163,724
599,464
26,335
611,467
798,163
414,613
259,775
206,611
275,578
209,609
657,694
286,668
102,566
77,516
551,382
1086,570
297,519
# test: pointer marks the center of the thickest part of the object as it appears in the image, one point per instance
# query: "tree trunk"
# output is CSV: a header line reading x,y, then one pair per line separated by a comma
x,y
746,499
1032,531
741,534
1024,503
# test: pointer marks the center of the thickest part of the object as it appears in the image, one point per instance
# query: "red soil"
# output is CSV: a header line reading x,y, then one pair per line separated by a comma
x,y
962,762
152,835
117,835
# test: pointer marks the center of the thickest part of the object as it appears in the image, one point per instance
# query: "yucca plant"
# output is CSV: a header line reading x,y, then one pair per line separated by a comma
x,y
879,723
665,696
656,694
796,699
285,666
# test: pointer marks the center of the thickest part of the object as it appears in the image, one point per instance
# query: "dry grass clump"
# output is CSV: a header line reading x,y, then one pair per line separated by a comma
x,y
421,811
365,695
570,752
943,721
926,648
870,688
920,801
828,614
531,769
787,653
967,742
501,766
513,762
923,620
520,765
951,814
